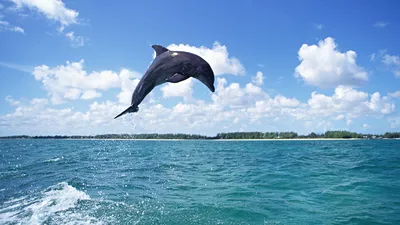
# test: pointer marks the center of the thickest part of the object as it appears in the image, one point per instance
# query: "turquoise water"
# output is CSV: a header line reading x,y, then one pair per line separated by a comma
x,y
199,182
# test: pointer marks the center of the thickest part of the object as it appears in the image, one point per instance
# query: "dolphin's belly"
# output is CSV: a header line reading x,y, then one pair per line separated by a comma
x,y
161,75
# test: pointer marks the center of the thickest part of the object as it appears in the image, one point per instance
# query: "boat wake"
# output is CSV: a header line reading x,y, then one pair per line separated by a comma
x,y
58,204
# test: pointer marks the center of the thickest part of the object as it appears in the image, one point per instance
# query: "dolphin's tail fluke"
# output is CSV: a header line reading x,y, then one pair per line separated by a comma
x,y
130,109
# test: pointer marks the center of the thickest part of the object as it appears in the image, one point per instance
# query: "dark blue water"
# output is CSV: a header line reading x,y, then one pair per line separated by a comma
x,y
199,182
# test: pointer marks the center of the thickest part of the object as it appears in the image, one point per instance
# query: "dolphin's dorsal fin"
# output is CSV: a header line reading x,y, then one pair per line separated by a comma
x,y
159,49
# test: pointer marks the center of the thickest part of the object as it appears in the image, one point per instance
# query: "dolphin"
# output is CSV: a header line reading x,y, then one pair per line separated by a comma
x,y
170,66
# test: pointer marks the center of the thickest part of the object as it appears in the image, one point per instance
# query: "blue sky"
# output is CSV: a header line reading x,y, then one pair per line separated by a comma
x,y
280,66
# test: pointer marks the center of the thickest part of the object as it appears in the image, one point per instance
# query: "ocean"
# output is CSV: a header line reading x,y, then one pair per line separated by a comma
x,y
199,182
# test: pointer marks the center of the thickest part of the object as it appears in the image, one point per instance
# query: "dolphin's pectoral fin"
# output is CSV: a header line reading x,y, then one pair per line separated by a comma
x,y
159,49
177,77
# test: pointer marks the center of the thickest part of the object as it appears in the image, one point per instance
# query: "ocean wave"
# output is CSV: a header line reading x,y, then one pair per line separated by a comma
x,y
58,204
53,160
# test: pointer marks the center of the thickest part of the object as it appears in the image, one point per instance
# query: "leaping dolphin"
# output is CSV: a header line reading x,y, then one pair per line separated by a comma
x,y
170,66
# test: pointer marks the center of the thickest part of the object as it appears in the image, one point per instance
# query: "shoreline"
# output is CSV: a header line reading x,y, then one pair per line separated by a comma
x,y
134,139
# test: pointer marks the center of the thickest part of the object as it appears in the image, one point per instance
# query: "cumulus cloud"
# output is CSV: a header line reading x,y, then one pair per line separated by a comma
x,y
350,101
395,94
232,107
128,82
234,96
339,117
71,81
73,93
11,101
258,79
217,56
323,65
181,89
90,94
52,9
393,63
390,62
276,107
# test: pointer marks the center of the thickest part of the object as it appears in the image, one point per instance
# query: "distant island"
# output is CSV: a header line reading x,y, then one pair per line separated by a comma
x,y
222,136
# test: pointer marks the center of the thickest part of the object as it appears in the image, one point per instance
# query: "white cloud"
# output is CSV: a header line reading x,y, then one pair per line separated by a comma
x,y
18,67
76,41
217,56
372,57
39,102
258,79
18,29
181,89
390,62
393,63
232,107
366,126
350,101
395,94
234,96
129,80
90,94
6,26
72,93
153,117
325,66
380,24
282,101
349,121
318,26
52,9
251,107
279,106
11,101
70,80
339,117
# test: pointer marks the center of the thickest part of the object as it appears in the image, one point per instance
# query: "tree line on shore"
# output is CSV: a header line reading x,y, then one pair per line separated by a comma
x,y
229,135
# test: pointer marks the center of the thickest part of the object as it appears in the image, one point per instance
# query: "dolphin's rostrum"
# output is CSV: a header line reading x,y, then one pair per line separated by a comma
x,y
170,66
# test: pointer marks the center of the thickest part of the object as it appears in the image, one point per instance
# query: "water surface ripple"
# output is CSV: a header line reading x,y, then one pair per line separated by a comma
x,y
199,182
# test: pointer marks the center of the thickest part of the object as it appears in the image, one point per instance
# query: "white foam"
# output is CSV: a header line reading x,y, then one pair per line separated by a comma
x,y
15,200
58,202
53,160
